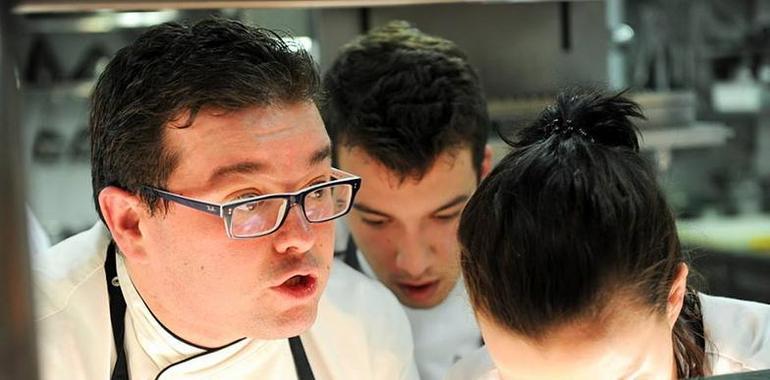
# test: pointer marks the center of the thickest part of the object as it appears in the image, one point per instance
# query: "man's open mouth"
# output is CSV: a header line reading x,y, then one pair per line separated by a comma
x,y
298,286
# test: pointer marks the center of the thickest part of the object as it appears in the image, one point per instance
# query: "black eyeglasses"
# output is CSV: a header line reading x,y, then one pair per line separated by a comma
x,y
259,216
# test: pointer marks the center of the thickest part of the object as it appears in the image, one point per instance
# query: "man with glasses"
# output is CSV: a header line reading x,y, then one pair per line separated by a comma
x,y
405,111
212,172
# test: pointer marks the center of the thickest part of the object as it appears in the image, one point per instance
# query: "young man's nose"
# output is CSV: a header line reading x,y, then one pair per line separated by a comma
x,y
413,256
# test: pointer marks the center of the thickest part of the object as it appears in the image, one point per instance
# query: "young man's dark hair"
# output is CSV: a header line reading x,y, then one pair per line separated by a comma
x,y
405,97
168,75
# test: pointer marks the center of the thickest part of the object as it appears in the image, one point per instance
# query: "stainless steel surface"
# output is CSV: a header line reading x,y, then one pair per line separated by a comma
x,y
616,55
662,109
40,6
518,48
17,339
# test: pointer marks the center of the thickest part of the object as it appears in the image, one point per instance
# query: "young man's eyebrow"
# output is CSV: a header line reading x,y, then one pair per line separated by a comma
x,y
454,202
364,208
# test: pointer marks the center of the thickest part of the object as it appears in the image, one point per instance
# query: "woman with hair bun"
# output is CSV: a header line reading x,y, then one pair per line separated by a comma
x,y
573,264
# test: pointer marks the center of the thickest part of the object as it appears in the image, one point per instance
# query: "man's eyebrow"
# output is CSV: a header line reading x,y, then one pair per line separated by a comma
x,y
320,155
454,202
364,208
245,167
250,167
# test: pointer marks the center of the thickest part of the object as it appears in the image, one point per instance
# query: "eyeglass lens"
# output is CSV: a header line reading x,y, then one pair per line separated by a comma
x,y
258,217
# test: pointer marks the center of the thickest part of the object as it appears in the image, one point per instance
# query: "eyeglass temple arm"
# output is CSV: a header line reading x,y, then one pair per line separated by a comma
x,y
192,203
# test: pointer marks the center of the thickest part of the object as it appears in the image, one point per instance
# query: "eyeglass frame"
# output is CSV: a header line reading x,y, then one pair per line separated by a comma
x,y
225,210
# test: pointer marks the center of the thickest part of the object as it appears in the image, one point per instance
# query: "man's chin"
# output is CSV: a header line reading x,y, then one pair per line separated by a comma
x,y
291,322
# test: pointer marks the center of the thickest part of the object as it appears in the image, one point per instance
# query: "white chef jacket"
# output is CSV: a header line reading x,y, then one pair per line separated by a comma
x,y
36,236
442,334
360,332
737,340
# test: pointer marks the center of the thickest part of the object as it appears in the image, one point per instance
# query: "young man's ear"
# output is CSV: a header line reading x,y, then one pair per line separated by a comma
x,y
676,294
122,212
486,162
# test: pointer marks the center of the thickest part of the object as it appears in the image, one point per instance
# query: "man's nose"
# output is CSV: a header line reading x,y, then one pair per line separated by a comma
x,y
296,235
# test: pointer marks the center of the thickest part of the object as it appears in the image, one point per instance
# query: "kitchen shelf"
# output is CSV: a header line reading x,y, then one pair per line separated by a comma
x,y
68,89
698,135
746,233
661,108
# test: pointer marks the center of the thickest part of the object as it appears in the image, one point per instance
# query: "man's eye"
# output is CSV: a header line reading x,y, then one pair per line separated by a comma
x,y
320,193
242,196
245,196
248,206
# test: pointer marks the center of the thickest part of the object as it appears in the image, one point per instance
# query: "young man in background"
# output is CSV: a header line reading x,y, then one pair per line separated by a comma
x,y
405,111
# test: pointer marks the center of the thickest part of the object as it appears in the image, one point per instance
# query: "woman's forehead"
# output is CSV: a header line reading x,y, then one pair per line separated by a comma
x,y
608,347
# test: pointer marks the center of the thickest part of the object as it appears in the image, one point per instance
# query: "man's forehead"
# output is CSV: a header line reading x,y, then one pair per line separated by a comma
x,y
259,140
256,166
254,113
298,121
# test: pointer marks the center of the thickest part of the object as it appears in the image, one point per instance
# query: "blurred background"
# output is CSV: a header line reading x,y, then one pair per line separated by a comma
x,y
700,69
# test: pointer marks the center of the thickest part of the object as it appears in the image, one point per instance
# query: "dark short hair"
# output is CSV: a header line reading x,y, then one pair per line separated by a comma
x,y
404,97
572,216
172,69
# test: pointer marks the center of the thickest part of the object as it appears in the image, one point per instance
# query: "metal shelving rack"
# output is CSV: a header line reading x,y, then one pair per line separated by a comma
x,y
672,123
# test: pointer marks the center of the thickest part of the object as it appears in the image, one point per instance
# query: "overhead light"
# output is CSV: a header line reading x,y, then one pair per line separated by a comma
x,y
306,43
107,21
144,19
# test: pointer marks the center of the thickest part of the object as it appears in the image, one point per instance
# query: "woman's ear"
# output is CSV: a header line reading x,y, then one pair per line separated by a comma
x,y
676,294
123,212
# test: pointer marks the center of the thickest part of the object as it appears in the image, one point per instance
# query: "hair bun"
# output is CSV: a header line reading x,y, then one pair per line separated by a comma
x,y
589,115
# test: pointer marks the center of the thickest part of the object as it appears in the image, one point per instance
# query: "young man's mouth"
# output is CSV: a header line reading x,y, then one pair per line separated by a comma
x,y
419,291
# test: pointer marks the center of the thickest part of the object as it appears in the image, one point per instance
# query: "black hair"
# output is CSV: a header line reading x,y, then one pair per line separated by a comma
x,y
172,70
405,97
572,216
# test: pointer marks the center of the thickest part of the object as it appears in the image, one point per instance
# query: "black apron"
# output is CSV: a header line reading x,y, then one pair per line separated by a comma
x,y
117,318
350,256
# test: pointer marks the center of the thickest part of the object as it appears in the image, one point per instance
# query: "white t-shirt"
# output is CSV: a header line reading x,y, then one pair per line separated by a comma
x,y
361,331
737,340
442,334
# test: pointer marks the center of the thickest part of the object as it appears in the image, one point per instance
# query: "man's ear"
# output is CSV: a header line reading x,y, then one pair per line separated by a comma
x,y
676,294
123,213
486,163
